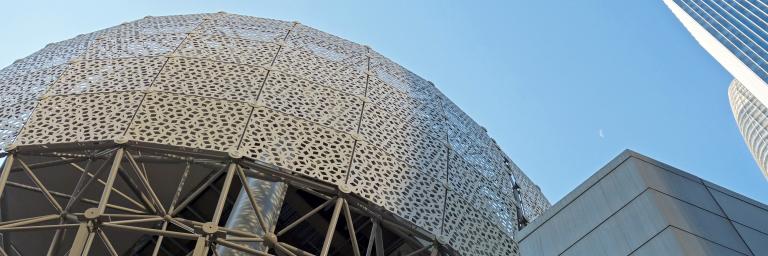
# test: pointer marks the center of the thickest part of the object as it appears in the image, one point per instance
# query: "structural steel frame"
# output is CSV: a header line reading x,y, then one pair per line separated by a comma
x,y
127,158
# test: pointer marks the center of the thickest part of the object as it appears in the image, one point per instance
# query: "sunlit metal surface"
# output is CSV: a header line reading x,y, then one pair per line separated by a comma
x,y
328,111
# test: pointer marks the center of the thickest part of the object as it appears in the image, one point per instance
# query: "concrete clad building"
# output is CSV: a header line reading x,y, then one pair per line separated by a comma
x,y
752,118
639,206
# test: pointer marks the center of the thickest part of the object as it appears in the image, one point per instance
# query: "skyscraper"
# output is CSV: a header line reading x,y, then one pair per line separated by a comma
x,y
735,33
182,135
752,117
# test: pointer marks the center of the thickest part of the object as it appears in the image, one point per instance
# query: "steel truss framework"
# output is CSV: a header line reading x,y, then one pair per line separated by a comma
x,y
126,160
329,110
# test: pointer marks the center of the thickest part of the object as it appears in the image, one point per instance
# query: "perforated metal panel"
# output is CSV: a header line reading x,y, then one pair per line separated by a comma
x,y
283,94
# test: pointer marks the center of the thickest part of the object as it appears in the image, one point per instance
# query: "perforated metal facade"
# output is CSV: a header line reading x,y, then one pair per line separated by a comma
x,y
282,94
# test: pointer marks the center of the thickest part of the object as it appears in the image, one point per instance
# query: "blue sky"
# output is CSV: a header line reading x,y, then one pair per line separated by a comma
x,y
563,86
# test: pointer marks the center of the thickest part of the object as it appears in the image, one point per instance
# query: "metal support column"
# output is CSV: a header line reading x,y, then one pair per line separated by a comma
x,y
86,232
6,173
269,196
3,180
332,227
203,245
79,244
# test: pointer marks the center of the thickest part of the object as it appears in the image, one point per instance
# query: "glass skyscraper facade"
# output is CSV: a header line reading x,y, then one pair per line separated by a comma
x,y
735,33
752,117
739,25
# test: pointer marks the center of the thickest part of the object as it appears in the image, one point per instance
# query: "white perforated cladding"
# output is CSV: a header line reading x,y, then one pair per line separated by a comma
x,y
285,94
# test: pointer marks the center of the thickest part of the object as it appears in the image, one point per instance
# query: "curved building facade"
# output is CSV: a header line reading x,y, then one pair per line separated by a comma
x,y
752,118
169,135
734,33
